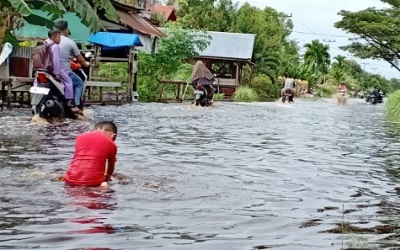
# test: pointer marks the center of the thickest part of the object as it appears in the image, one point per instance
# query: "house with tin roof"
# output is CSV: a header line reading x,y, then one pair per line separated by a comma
x,y
225,56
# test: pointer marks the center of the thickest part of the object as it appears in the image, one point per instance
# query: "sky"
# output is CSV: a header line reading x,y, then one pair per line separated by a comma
x,y
314,19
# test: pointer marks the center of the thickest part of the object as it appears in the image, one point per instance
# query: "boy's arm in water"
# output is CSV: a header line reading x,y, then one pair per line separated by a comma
x,y
111,164
110,168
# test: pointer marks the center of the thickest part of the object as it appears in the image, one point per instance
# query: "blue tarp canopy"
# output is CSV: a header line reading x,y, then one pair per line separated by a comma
x,y
110,40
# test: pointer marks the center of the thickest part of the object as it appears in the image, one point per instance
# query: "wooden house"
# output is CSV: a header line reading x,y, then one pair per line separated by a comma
x,y
225,56
19,65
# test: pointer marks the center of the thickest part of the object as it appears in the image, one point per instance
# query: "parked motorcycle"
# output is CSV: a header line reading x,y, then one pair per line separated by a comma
x,y
202,94
287,96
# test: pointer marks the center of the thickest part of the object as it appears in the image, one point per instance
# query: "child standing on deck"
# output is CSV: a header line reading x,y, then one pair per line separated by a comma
x,y
93,151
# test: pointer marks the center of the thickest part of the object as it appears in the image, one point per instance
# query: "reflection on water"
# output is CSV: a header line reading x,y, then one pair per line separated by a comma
x,y
234,176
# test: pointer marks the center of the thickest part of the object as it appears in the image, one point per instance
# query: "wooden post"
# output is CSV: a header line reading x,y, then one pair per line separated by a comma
x,y
3,91
116,94
160,90
179,92
135,64
93,67
240,72
9,86
101,94
184,92
237,74
130,74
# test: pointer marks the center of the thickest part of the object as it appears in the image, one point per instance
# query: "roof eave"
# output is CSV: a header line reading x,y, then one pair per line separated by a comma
x,y
248,60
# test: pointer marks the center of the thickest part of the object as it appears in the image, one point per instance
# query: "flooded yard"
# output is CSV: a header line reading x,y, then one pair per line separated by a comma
x,y
312,175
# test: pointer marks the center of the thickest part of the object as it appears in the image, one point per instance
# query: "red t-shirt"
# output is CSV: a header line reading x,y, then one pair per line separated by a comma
x,y
92,151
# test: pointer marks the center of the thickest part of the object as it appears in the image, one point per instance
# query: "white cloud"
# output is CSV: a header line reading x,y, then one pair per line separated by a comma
x,y
319,16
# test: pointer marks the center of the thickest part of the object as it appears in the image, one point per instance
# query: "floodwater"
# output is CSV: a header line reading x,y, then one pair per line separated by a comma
x,y
312,175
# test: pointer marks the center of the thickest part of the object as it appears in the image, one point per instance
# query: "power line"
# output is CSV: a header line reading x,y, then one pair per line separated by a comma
x,y
298,21
320,34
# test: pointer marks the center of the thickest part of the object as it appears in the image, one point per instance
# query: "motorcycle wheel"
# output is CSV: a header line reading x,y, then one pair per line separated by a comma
x,y
197,102
283,99
203,102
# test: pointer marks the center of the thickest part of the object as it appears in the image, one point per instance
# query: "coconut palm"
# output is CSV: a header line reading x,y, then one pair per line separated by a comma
x,y
340,62
13,12
317,56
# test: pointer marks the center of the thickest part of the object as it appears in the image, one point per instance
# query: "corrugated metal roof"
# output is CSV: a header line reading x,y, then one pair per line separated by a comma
x,y
228,46
165,10
136,22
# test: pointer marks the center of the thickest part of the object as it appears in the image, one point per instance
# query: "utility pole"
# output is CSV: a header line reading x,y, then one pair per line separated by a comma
x,y
285,15
374,69
364,63
351,62
328,41
362,78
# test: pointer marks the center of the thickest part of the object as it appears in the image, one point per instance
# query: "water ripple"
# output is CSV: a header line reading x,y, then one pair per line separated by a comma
x,y
235,176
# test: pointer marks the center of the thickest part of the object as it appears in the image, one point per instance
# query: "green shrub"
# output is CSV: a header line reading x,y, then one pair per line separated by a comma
x,y
245,94
392,106
261,84
147,88
328,90
184,73
218,97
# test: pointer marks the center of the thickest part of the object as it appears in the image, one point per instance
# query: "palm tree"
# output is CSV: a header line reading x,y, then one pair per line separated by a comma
x,y
340,62
13,11
338,71
317,56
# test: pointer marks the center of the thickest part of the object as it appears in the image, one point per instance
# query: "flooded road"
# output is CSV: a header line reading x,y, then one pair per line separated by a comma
x,y
312,175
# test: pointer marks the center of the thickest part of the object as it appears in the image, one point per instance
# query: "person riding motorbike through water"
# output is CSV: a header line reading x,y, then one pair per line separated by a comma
x,y
342,86
290,83
58,72
202,75
375,92
69,48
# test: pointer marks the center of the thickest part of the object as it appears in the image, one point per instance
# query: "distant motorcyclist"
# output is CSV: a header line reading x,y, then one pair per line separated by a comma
x,y
203,76
375,92
290,83
342,86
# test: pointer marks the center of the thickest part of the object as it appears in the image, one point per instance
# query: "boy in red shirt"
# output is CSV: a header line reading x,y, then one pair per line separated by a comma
x,y
92,151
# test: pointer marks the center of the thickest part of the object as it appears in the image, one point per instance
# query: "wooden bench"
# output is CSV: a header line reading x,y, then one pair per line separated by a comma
x,y
102,85
225,85
180,91
11,86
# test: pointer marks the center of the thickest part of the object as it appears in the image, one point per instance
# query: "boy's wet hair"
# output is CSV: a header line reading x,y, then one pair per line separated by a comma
x,y
106,125
53,32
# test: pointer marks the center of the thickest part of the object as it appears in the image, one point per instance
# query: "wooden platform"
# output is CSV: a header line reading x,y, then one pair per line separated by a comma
x,y
100,85
179,93
14,88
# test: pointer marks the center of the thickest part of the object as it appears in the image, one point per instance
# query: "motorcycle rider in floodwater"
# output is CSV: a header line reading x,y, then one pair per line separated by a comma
x,y
290,83
342,86
202,75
